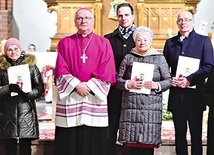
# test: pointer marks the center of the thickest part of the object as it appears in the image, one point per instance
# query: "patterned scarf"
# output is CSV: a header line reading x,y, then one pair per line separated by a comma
x,y
126,31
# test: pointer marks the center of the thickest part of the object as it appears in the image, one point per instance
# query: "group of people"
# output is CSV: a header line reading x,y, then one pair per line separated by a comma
x,y
96,105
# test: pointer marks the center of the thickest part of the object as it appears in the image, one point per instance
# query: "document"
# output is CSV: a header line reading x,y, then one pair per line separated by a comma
x,y
20,75
187,66
144,72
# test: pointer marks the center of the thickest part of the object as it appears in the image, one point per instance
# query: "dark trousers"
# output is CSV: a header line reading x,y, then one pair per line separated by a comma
x,y
210,132
112,133
182,119
12,148
81,140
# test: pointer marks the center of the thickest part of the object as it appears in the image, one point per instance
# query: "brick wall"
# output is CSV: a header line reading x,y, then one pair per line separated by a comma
x,y
5,19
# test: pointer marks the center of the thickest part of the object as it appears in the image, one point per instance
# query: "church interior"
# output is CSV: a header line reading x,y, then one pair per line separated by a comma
x,y
159,15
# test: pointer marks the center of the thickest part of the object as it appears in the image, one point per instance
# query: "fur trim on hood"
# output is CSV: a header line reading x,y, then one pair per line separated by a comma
x,y
29,59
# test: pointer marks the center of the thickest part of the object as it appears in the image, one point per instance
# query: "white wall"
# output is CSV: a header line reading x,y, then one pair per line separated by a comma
x,y
205,12
33,24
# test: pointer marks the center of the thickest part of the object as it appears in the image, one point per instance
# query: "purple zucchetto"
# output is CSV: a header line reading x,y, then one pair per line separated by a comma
x,y
12,41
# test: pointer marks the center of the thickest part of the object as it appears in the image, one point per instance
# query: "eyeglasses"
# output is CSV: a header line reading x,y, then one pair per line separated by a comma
x,y
186,20
79,19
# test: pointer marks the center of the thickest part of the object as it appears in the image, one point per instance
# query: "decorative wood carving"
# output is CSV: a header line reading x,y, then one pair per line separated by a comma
x,y
159,15
65,17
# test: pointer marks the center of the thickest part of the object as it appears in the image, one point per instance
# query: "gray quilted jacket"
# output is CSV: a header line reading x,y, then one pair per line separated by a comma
x,y
141,115
18,117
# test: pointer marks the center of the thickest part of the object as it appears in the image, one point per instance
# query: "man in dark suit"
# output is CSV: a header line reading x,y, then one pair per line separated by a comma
x,y
122,42
185,103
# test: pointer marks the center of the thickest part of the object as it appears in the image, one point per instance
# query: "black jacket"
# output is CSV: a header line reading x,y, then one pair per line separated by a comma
x,y
120,48
209,89
18,116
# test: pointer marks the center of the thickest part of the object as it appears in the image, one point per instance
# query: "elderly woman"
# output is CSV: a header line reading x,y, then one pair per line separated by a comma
x,y
18,117
141,114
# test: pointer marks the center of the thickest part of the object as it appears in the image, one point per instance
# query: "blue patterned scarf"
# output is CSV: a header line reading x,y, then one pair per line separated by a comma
x,y
126,31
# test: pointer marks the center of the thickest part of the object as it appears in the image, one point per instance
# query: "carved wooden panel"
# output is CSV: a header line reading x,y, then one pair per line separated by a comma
x,y
159,17
65,19
66,12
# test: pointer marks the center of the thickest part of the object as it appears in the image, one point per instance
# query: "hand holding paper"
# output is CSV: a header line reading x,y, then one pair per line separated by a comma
x,y
184,70
135,83
14,88
150,85
183,82
20,75
143,72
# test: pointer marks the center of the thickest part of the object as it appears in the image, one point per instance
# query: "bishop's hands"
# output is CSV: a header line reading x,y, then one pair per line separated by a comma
x,y
181,82
137,83
15,88
82,89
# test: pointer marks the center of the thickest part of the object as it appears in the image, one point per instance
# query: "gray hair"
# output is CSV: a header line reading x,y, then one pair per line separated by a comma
x,y
142,29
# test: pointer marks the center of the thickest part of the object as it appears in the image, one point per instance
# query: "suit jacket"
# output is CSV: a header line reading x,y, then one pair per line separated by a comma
x,y
195,46
121,47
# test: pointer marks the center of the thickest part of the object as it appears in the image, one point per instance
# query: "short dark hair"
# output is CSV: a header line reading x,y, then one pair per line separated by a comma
x,y
32,45
125,5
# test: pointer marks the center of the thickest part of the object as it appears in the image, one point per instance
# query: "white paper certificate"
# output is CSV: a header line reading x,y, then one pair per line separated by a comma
x,y
143,71
187,66
20,75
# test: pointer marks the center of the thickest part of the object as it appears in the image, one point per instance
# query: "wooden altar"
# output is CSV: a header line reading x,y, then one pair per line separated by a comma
x,y
159,15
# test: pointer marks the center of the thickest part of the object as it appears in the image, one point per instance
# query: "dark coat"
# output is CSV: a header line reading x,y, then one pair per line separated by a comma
x,y
141,114
18,116
195,46
120,48
209,90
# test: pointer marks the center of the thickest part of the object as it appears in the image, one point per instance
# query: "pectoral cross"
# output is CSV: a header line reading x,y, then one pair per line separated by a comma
x,y
84,57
